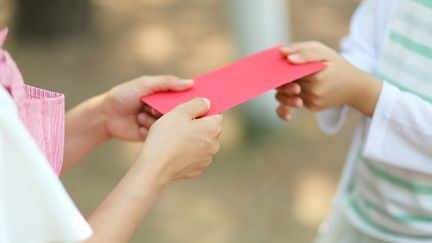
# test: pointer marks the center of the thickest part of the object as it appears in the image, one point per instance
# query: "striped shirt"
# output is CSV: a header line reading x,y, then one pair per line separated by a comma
x,y
387,200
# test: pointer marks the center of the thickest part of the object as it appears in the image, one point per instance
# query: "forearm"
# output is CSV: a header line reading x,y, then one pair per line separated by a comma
x,y
85,129
116,219
367,93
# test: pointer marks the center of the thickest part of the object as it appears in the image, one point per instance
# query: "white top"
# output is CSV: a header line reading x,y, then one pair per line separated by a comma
x,y
401,119
34,206
400,132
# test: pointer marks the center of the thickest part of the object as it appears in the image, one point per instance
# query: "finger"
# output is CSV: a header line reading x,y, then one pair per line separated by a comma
x,y
212,124
284,113
310,45
214,150
194,108
200,167
305,52
136,132
290,89
286,50
146,120
151,85
143,132
292,101
307,87
307,56
310,101
149,110
193,174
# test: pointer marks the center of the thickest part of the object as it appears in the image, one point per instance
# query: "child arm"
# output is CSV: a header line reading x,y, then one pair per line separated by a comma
x,y
359,48
400,131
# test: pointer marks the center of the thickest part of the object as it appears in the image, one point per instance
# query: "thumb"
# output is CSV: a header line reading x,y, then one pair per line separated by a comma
x,y
194,108
166,83
306,56
304,52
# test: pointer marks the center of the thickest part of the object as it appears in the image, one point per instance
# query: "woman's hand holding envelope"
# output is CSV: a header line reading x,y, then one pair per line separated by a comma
x,y
126,117
180,146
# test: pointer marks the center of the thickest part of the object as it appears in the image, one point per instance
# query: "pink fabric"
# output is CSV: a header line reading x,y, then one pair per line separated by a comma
x,y
41,111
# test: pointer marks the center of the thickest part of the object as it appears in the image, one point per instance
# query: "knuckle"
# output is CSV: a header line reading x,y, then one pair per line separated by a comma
x,y
311,107
195,174
314,102
315,105
218,131
207,163
218,119
320,77
280,97
316,44
200,102
168,77
190,176
216,148
221,118
279,94
181,109
294,45
283,109
288,103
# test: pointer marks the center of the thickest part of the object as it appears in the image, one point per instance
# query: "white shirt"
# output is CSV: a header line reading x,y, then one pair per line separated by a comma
x,y
400,132
34,206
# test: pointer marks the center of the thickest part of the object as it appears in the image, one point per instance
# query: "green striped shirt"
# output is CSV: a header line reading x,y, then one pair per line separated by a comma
x,y
396,201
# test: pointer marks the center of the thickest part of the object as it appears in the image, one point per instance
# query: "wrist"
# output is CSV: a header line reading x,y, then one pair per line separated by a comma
x,y
99,117
84,130
153,168
366,94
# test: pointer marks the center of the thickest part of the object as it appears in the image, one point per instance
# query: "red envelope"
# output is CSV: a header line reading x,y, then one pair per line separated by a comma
x,y
237,83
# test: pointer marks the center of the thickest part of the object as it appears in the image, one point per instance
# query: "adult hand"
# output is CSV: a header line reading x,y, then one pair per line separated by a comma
x,y
179,145
126,117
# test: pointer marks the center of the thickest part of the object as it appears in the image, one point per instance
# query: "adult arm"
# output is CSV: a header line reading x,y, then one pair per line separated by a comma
x,y
178,146
118,114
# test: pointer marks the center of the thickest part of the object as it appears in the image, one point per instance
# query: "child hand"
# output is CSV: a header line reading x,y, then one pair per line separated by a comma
x,y
180,146
339,84
288,97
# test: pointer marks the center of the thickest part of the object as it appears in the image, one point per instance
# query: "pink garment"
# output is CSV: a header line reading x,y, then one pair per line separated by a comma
x,y
41,111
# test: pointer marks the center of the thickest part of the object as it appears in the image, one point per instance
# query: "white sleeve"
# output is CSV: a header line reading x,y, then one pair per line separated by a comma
x,y
401,131
359,48
34,206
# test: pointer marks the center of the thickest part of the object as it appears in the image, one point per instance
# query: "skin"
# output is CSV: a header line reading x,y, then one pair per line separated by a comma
x,y
176,146
339,84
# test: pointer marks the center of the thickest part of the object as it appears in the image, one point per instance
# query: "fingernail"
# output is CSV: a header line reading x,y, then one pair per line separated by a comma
x,y
186,81
207,101
295,58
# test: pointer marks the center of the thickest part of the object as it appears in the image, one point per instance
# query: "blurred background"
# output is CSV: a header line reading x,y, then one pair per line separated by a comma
x,y
272,182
